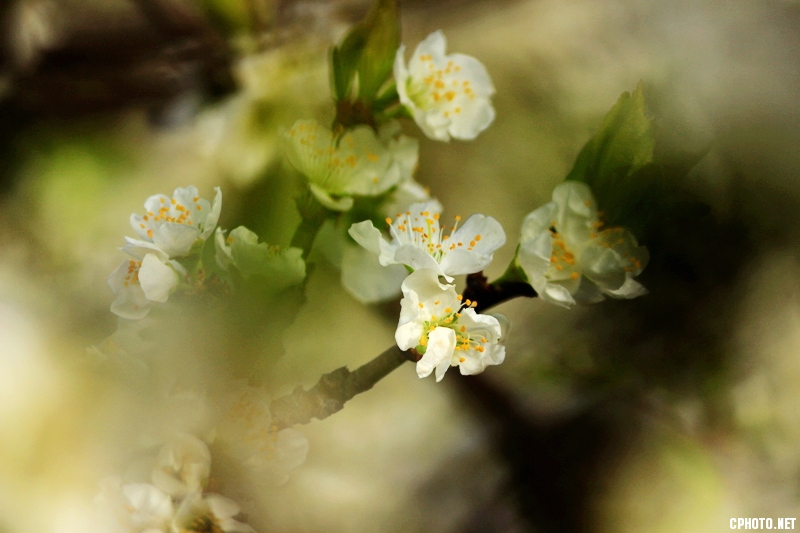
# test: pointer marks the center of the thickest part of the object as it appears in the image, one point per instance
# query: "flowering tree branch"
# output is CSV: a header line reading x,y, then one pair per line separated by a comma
x,y
335,388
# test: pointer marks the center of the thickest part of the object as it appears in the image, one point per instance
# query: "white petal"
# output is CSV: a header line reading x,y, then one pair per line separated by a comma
x,y
213,216
418,258
408,334
368,236
630,289
156,278
554,293
366,279
223,255
344,203
139,249
175,239
441,343
487,235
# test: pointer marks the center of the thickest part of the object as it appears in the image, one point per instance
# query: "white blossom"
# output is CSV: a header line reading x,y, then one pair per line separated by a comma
x,y
355,162
182,466
445,329
418,241
147,279
448,95
133,507
568,255
175,224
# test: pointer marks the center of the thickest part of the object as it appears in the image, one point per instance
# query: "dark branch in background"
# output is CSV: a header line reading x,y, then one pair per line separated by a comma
x,y
334,389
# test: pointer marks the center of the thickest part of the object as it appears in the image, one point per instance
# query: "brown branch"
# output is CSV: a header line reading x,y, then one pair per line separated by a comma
x,y
488,295
331,392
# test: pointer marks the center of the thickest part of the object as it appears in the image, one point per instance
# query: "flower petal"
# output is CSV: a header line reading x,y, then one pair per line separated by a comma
x,y
441,343
157,278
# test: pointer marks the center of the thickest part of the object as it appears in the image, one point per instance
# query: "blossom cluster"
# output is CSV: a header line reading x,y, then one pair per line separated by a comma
x,y
172,228
434,319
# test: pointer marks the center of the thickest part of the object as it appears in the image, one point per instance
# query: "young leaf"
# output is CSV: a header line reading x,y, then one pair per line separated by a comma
x,y
623,144
383,40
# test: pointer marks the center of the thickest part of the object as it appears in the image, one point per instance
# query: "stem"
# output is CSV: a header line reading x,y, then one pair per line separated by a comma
x,y
313,216
332,390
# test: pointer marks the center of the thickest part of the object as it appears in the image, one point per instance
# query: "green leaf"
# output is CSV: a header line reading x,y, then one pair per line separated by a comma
x,y
367,53
383,40
344,60
610,163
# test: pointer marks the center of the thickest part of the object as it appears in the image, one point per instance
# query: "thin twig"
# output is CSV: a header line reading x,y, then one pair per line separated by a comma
x,y
331,392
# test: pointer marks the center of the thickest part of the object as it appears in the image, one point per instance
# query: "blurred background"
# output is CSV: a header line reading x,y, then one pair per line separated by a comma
x,y
674,412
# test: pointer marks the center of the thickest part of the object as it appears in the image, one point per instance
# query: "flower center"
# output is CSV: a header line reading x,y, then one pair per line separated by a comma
x,y
439,87
203,524
464,339
423,231
170,211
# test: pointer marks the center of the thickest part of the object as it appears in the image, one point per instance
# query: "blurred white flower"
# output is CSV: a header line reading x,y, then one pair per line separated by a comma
x,y
175,224
245,428
418,241
356,162
445,329
182,466
448,95
133,508
569,258
147,279
211,513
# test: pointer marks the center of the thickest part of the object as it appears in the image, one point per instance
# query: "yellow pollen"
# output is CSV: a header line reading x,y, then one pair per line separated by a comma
x,y
448,310
421,305
174,201
463,329
199,208
574,275
479,348
460,297
461,359
436,302
388,220
150,233
458,217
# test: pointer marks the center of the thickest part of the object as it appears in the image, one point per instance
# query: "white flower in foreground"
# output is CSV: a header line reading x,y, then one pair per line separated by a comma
x,y
208,513
141,282
448,95
418,241
133,508
356,162
245,428
175,224
568,256
447,330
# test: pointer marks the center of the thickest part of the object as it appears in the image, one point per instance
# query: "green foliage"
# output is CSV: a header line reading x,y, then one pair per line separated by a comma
x,y
632,185
362,64
610,162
